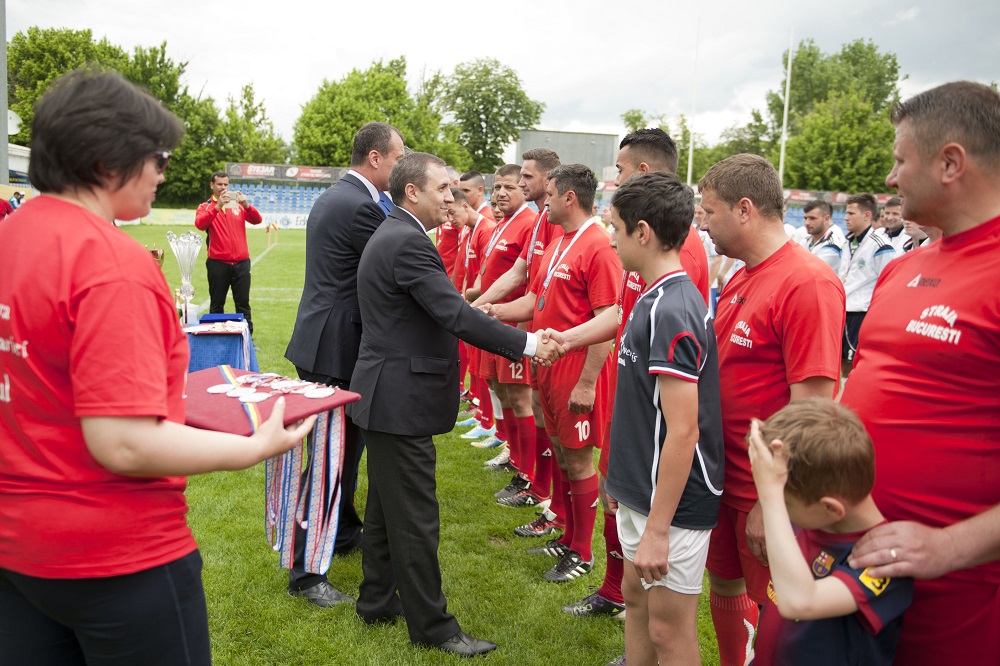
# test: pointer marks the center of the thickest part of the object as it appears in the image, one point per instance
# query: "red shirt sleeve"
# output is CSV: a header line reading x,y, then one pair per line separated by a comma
x,y
811,328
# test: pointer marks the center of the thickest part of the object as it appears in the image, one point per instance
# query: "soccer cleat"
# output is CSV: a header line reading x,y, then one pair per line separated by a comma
x,y
544,524
466,396
468,421
596,604
522,498
516,485
553,548
479,432
490,442
500,462
570,567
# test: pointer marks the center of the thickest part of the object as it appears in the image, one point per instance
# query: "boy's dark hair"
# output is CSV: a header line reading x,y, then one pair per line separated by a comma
x,y
829,451
95,129
665,203
865,201
459,196
577,177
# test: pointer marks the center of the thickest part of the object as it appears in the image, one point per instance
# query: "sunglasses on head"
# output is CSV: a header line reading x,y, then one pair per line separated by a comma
x,y
162,159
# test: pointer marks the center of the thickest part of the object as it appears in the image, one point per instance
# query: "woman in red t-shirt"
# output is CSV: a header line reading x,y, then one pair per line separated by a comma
x,y
97,564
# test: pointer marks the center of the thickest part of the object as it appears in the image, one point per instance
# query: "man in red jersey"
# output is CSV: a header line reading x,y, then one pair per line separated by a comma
x,y
473,186
577,281
778,325
509,379
224,218
925,382
536,451
643,151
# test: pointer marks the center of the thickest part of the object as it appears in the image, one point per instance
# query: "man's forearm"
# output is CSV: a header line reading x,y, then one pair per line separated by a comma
x,y
601,328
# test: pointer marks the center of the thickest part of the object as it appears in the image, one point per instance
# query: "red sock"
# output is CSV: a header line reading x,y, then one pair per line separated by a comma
x,y
583,495
560,503
485,404
612,586
510,435
543,464
735,620
463,365
526,441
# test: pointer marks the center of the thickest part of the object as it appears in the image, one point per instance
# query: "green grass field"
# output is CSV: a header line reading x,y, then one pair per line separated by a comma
x,y
493,587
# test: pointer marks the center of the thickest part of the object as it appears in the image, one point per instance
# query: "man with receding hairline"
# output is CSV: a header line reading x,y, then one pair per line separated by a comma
x,y
778,326
925,382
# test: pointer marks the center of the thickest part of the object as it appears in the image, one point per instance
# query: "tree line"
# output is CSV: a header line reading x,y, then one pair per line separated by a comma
x,y
467,117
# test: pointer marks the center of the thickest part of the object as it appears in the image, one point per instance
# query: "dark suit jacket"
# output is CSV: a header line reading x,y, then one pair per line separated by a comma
x,y
328,324
407,371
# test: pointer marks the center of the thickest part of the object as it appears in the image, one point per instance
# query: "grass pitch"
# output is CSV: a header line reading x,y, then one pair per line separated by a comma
x,y
493,587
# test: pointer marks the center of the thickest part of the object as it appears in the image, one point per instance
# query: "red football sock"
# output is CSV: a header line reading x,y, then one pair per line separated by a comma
x,y
612,586
463,365
526,442
510,435
735,620
485,404
543,464
560,503
583,495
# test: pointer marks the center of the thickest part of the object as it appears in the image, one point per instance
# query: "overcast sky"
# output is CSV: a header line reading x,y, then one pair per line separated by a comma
x,y
586,61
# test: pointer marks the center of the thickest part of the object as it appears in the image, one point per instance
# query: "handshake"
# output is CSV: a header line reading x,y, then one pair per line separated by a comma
x,y
548,351
551,343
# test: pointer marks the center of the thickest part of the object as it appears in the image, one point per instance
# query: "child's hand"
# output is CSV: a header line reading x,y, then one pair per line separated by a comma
x,y
769,464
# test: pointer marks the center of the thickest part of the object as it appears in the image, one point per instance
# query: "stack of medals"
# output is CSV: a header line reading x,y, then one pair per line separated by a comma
x,y
285,503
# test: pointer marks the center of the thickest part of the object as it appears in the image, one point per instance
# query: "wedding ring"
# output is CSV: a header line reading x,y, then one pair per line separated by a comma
x,y
892,553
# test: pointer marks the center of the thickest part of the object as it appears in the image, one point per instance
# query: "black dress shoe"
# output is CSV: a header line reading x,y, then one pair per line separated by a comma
x,y
323,595
465,645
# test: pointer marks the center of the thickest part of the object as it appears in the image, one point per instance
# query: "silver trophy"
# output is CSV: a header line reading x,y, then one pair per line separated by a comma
x,y
186,248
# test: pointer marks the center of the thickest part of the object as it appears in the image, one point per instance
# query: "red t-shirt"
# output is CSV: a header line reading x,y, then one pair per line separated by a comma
x,y
446,238
478,239
925,383
777,324
457,269
508,238
695,262
227,230
87,329
584,279
543,233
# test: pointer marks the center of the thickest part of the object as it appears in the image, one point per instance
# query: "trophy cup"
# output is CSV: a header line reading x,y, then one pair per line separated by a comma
x,y
186,248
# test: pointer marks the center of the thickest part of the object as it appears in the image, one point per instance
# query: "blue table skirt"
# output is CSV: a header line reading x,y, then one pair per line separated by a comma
x,y
233,349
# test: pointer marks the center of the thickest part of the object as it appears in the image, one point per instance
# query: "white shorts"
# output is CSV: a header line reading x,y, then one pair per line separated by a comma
x,y
686,560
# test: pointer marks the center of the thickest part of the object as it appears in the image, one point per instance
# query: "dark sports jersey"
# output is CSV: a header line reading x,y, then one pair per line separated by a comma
x,y
668,332
868,636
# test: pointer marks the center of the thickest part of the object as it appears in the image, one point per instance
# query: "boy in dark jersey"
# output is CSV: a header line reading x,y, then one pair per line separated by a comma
x,y
666,461
818,472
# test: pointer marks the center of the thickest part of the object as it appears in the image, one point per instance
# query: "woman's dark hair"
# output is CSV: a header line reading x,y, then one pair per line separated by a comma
x,y
94,128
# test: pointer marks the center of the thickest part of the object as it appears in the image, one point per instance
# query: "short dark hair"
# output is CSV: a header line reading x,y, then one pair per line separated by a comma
x,y
824,207
217,175
749,176
577,177
829,451
508,170
95,129
459,195
652,146
864,201
408,169
476,178
372,136
962,111
659,198
893,201
546,158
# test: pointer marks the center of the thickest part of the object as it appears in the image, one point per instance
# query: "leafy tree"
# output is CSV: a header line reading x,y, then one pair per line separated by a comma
x,y
158,74
198,155
489,108
425,130
845,145
38,57
634,119
246,134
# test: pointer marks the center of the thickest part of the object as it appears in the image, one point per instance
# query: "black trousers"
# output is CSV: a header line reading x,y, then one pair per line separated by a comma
x,y
349,522
402,531
222,276
156,616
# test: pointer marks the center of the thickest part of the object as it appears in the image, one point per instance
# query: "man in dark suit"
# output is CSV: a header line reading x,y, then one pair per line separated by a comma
x,y
324,344
407,375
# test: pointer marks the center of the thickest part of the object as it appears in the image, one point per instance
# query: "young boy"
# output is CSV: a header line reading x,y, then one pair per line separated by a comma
x,y
666,459
818,472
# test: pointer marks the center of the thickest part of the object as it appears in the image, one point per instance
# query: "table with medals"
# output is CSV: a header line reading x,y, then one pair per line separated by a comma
x,y
221,343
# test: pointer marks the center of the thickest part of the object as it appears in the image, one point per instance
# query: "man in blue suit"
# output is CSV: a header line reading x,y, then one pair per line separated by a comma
x,y
324,343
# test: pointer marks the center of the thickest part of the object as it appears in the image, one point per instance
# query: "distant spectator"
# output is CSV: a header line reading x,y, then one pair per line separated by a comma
x,y
824,239
15,201
892,224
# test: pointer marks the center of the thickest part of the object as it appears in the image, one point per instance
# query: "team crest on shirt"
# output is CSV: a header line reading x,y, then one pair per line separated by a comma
x,y
501,245
562,271
741,335
823,564
861,264
931,324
